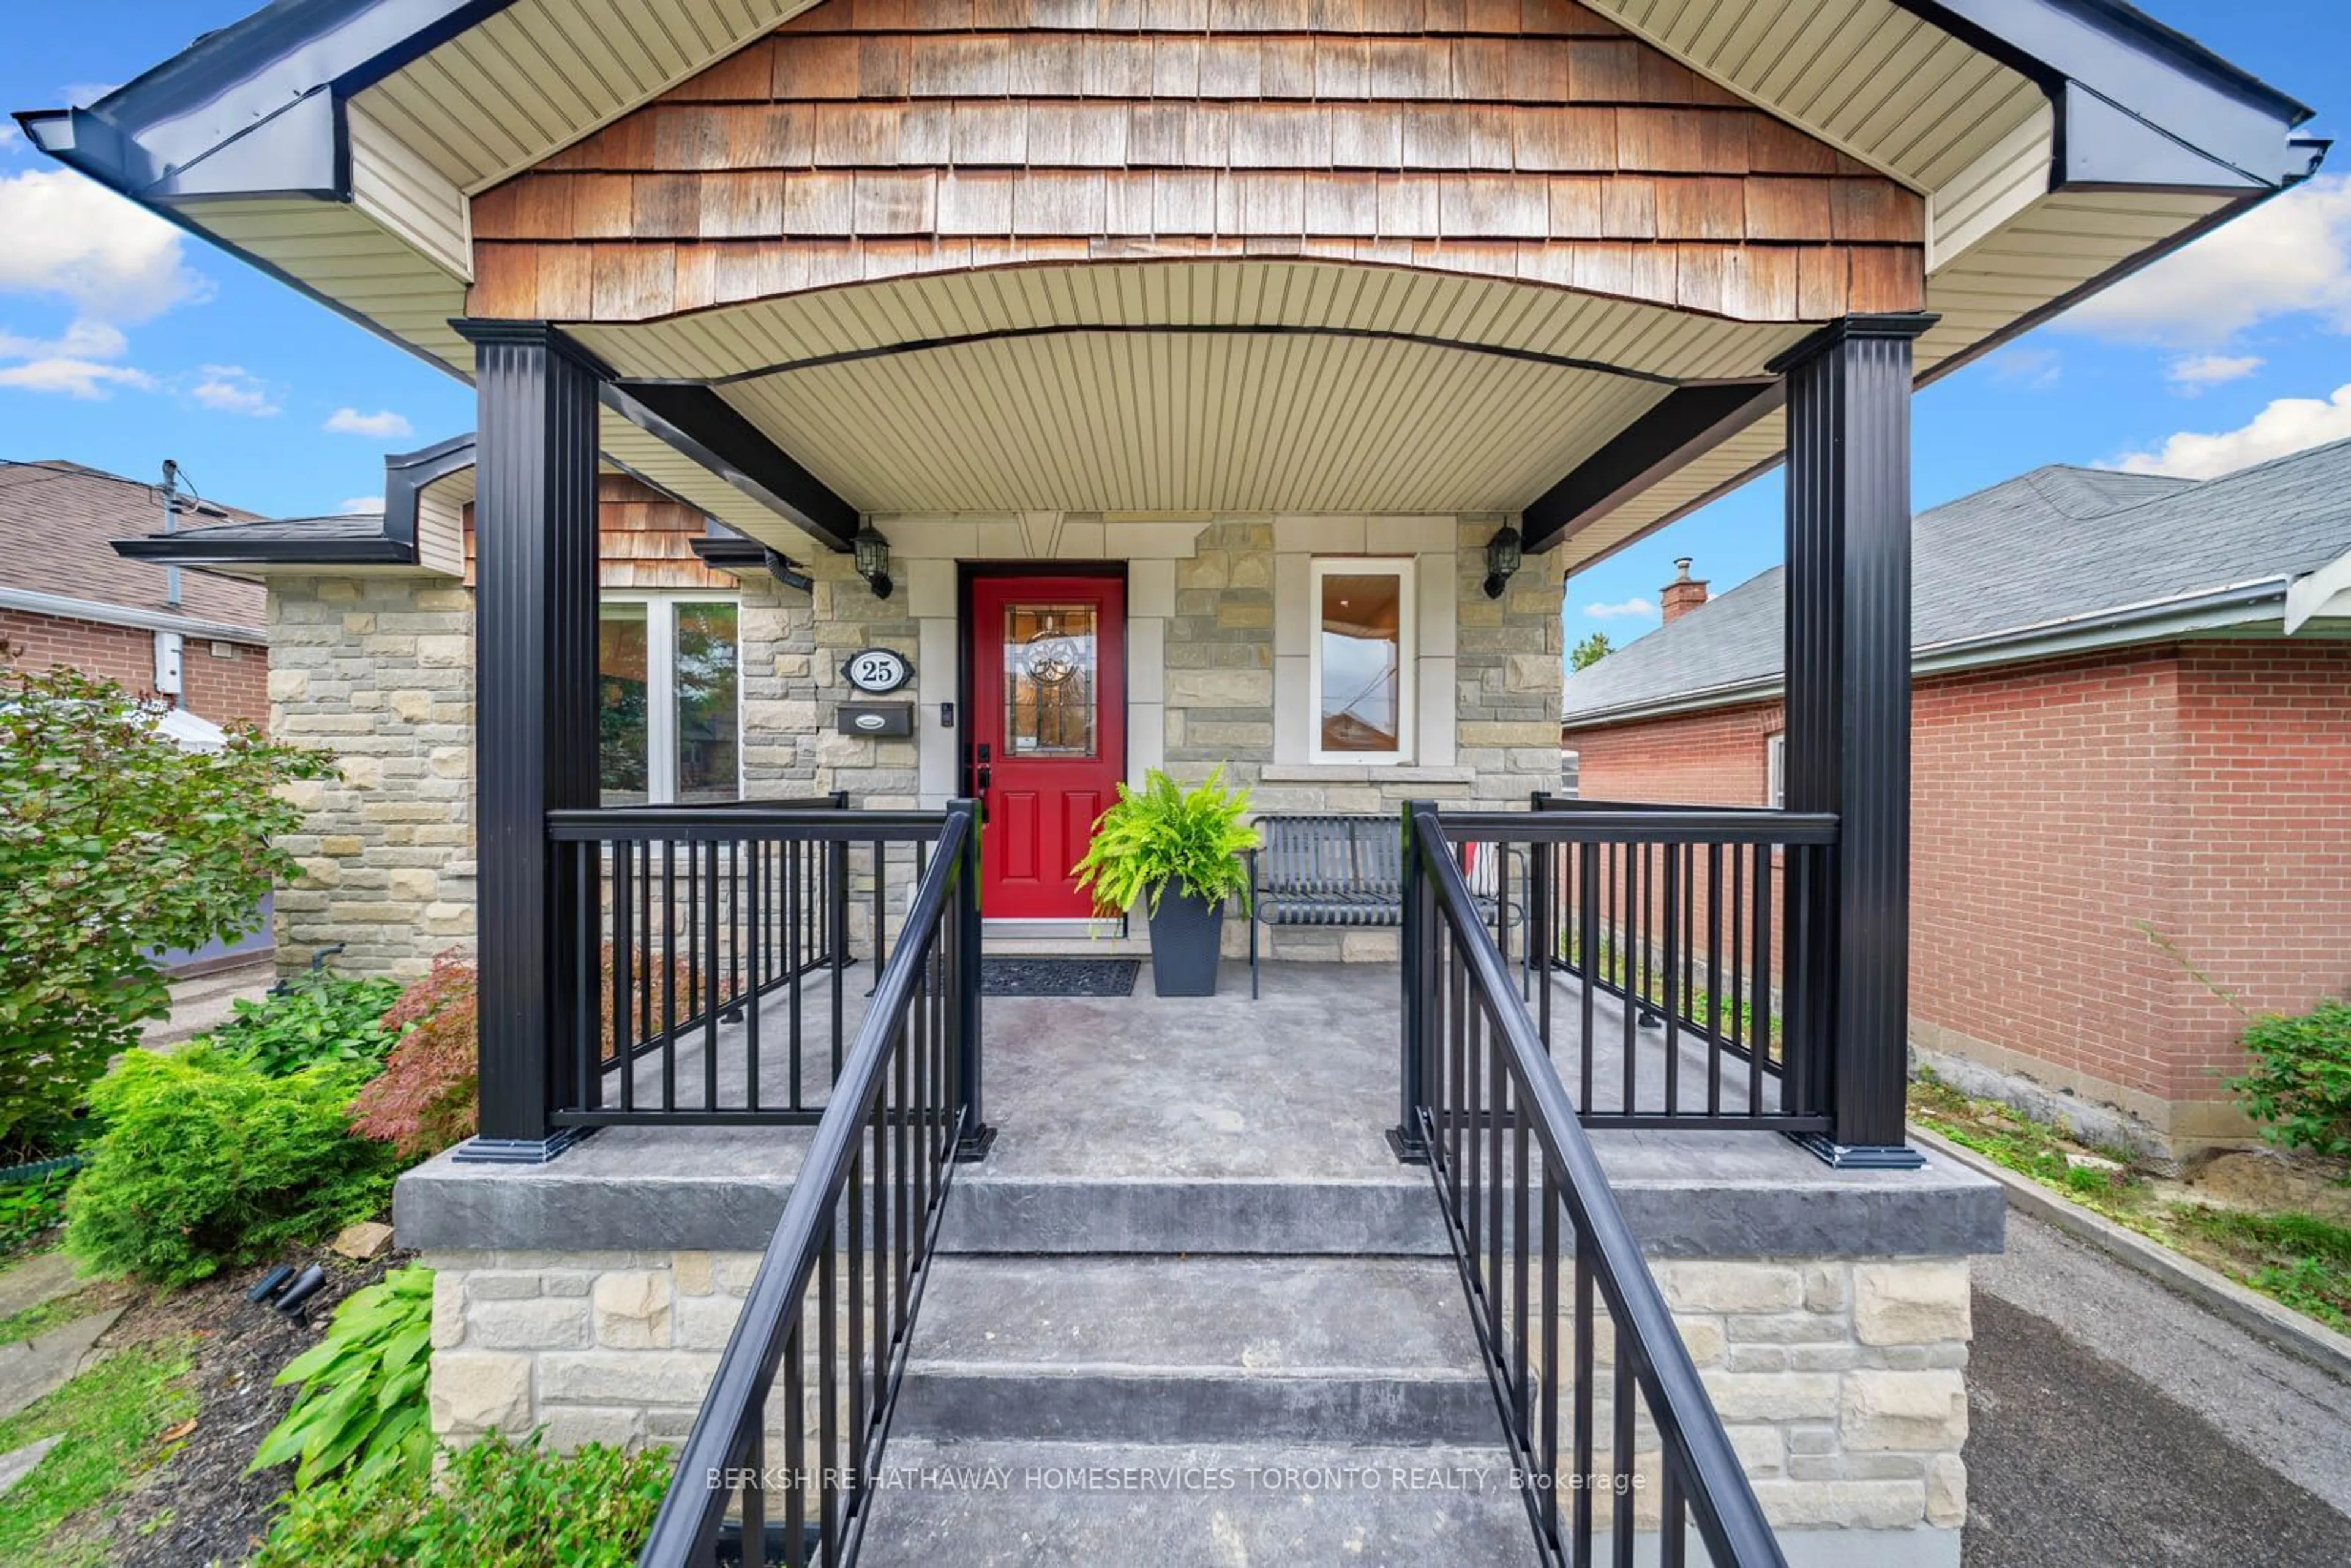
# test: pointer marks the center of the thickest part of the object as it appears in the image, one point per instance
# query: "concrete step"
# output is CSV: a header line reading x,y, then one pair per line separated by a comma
x,y
1159,1350
978,1504
1385,1214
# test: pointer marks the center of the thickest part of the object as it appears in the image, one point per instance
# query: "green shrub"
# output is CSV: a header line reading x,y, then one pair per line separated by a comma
x,y
207,1161
114,842
1164,833
498,1504
28,1208
2299,1087
318,1017
363,1402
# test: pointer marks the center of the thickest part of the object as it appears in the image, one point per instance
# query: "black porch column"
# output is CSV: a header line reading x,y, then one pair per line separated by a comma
x,y
1848,715
534,713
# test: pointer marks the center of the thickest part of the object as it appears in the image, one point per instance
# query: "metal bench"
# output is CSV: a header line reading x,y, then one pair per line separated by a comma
x,y
1340,870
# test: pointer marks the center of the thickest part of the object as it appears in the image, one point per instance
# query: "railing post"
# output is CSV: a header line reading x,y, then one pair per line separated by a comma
x,y
1848,713
1405,1138
535,721
979,1137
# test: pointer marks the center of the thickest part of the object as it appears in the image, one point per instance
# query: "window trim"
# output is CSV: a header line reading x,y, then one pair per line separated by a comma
x,y
661,681
1404,568
1775,770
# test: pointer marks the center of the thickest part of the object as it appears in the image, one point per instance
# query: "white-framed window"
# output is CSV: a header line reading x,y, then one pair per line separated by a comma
x,y
669,698
1775,770
1360,662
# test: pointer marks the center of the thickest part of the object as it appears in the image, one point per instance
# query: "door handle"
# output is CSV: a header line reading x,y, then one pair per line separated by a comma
x,y
987,776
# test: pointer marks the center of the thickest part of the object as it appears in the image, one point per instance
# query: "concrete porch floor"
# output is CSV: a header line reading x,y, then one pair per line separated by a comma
x,y
1144,1124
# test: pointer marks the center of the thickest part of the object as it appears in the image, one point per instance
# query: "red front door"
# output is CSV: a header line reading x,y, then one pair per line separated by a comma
x,y
1048,733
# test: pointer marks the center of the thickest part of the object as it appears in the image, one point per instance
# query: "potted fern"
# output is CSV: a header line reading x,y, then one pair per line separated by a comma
x,y
1178,850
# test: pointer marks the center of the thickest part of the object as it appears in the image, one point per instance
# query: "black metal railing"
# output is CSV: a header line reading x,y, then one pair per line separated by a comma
x,y
710,954
784,1474
1672,958
1612,1432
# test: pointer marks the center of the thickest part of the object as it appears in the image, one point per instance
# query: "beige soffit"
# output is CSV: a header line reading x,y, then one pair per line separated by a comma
x,y
1159,423
1646,339
540,74
996,415
1867,77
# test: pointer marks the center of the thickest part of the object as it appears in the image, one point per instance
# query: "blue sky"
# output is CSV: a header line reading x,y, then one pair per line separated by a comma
x,y
121,344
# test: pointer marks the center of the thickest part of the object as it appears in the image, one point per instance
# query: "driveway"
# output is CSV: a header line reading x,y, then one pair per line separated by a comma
x,y
2115,1424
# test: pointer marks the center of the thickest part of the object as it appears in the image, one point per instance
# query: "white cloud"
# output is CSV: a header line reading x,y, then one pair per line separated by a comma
x,y
70,237
81,339
10,137
2035,368
1629,609
2191,373
72,363
383,425
359,506
75,378
231,390
2289,256
2287,425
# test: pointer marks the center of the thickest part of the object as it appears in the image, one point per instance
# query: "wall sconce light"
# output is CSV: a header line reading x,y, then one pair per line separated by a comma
x,y
1501,559
873,560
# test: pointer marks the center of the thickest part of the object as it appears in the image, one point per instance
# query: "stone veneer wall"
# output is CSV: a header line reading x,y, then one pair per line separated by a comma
x,y
1219,624
1839,1381
379,671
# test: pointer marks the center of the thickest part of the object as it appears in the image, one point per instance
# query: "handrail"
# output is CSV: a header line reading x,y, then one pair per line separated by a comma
x,y
1702,1470
1650,824
726,1448
732,820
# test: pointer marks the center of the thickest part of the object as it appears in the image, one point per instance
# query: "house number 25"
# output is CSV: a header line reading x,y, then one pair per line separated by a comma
x,y
877,670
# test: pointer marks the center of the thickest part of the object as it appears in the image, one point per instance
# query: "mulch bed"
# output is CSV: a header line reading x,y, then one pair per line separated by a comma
x,y
201,1507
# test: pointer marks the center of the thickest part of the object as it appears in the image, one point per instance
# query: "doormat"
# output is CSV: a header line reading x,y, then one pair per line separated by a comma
x,y
1058,976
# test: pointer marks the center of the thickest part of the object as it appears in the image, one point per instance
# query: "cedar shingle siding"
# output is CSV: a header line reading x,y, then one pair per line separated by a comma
x,y
1535,142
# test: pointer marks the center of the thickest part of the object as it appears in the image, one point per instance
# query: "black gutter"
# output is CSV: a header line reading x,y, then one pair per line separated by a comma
x,y
406,475
733,553
193,549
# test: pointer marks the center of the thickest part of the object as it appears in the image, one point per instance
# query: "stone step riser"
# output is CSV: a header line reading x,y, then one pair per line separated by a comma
x,y
1367,1219
1158,1408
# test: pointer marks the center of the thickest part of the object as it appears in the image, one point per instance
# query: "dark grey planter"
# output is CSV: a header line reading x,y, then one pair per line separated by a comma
x,y
1187,934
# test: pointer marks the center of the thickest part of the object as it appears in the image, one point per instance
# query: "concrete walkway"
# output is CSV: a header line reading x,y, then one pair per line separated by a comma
x,y
2115,1423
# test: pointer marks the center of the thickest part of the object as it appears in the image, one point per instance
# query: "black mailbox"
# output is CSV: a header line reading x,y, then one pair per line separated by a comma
x,y
881,719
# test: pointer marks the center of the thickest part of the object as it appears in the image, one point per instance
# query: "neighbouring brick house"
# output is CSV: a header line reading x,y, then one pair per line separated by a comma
x,y
2131,775
66,598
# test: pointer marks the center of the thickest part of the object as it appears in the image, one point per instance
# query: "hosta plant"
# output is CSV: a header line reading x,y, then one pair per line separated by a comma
x,y
363,1404
1164,834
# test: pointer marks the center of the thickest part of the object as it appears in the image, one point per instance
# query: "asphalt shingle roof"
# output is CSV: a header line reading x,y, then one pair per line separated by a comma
x,y
57,524
2056,544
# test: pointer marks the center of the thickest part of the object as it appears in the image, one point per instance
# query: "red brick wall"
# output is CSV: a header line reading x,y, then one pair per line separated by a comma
x,y
224,690
2265,862
1710,759
2044,805
2065,815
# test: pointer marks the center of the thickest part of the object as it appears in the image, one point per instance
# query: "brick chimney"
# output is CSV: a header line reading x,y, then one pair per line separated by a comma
x,y
1683,594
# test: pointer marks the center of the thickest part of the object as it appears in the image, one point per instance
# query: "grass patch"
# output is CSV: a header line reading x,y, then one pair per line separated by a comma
x,y
2302,1260
107,1421
2296,1260
40,1318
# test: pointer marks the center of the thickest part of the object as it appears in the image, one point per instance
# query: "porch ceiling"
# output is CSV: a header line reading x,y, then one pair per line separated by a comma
x,y
1192,386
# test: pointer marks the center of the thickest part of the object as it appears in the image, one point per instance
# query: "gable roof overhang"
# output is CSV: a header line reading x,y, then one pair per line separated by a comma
x,y
2059,144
